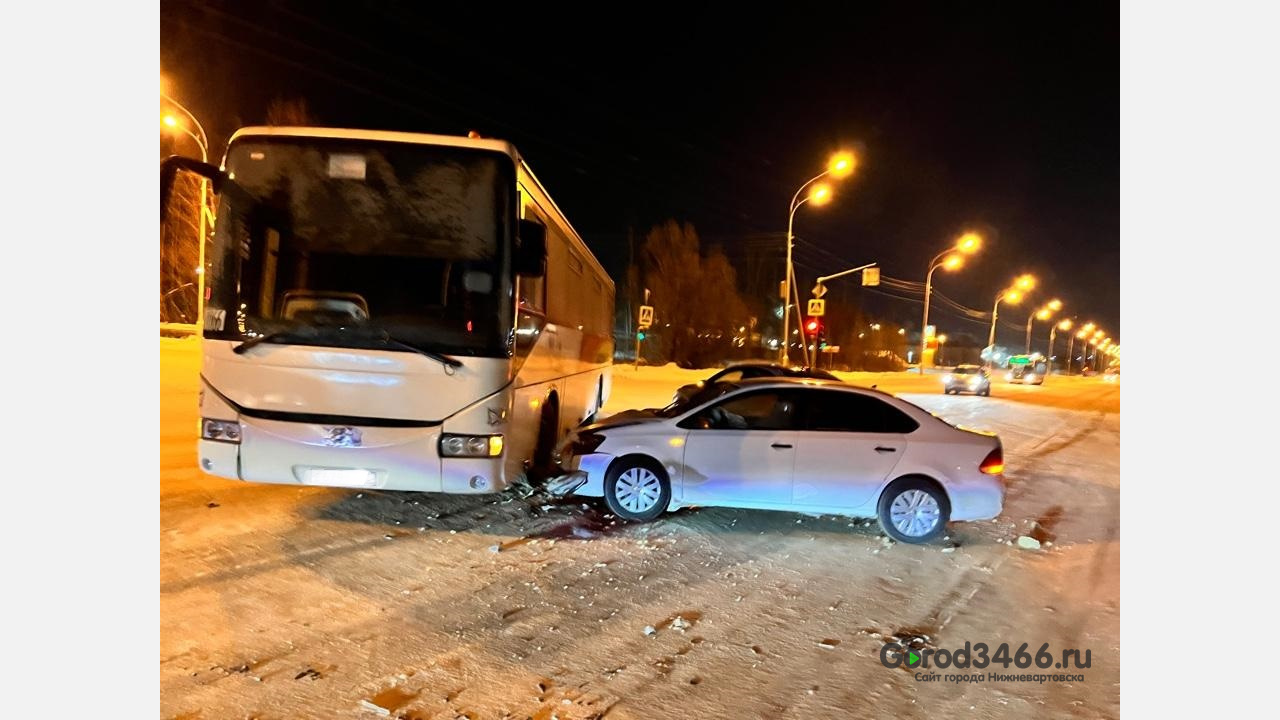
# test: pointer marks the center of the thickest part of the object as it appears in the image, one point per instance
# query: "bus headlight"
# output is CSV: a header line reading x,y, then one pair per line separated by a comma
x,y
227,431
470,445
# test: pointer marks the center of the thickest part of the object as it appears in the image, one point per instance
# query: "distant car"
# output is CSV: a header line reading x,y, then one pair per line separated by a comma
x,y
811,446
1111,375
967,378
1028,373
750,370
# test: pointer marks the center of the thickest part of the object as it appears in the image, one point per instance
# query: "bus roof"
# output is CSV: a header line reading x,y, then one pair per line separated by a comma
x,y
501,146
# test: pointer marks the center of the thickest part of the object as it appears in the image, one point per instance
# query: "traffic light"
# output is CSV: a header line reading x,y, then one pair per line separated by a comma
x,y
813,327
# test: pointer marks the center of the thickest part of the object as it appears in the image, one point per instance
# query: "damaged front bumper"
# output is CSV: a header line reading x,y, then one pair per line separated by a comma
x,y
567,484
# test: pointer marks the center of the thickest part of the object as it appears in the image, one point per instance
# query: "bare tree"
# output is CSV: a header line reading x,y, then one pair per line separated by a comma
x,y
180,251
697,308
289,111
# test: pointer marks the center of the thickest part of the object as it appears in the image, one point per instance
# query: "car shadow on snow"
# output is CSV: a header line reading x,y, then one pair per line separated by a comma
x,y
521,515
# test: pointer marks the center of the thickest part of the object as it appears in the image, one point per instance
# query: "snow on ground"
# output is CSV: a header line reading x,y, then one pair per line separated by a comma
x,y
282,602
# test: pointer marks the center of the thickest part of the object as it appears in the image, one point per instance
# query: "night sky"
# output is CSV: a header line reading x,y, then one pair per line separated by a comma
x,y
1002,117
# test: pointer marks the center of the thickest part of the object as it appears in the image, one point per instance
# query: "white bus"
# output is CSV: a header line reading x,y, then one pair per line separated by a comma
x,y
392,310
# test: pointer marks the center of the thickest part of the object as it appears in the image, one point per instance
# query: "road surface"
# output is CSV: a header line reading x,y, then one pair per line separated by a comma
x,y
286,602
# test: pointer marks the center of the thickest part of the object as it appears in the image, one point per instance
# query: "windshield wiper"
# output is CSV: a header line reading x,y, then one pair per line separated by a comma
x,y
249,344
446,360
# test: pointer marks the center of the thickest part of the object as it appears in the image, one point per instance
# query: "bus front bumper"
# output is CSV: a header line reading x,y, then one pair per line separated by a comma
x,y
382,458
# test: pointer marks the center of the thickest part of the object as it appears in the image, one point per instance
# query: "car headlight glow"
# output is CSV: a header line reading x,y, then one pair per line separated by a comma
x,y
946,379
1031,377
470,445
227,431
1008,376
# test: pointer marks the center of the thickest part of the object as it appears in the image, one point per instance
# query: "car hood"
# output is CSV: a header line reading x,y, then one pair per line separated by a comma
x,y
623,419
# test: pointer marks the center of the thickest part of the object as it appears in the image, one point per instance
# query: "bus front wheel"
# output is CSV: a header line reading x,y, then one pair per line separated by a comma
x,y
548,424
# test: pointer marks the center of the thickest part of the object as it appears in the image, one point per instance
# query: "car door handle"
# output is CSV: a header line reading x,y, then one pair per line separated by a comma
x,y
781,446
881,448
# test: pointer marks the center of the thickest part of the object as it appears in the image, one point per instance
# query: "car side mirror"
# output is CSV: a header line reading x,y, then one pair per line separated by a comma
x,y
531,254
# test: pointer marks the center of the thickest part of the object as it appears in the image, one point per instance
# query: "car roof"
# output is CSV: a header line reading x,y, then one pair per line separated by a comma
x,y
752,364
767,365
800,382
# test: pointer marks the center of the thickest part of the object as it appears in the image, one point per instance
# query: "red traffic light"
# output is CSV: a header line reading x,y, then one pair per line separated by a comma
x,y
812,326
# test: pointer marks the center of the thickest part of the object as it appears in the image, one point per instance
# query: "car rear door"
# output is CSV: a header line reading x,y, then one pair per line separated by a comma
x,y
847,444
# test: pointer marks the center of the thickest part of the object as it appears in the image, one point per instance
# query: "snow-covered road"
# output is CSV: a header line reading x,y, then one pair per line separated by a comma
x,y
283,602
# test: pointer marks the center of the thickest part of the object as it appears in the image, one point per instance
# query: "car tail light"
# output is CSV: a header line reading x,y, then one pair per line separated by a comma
x,y
993,464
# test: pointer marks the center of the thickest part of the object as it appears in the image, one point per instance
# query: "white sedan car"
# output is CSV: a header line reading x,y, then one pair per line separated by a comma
x,y
811,446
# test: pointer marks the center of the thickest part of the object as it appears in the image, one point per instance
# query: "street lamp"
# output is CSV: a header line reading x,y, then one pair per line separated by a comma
x,y
1014,295
951,259
942,340
1043,313
841,165
1053,331
1082,335
202,141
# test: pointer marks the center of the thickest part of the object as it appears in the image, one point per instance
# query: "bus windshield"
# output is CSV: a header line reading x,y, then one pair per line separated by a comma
x,y
353,243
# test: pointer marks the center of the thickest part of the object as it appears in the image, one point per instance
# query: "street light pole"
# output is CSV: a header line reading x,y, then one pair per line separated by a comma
x,y
1064,325
785,350
991,338
934,264
841,165
1043,313
951,258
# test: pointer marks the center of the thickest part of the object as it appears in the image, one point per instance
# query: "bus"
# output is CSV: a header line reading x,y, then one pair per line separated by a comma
x,y
1030,369
391,310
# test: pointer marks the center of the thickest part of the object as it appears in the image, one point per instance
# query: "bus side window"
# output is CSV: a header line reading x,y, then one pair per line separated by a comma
x,y
532,291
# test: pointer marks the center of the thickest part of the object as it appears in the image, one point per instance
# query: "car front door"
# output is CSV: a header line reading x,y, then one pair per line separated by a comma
x,y
740,450
846,445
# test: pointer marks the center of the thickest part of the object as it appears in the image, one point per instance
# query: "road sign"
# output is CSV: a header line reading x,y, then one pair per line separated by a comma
x,y
646,316
817,307
819,290
871,276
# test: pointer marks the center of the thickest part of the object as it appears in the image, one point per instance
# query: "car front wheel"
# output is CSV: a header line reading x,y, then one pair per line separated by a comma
x,y
637,488
914,510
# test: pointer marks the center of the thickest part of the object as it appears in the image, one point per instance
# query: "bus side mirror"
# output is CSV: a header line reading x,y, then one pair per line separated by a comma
x,y
531,255
169,168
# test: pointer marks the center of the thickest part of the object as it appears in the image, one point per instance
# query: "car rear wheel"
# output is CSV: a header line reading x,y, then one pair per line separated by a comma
x,y
914,510
637,488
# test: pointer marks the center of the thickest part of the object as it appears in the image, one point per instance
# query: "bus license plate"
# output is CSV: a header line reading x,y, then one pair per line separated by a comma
x,y
339,478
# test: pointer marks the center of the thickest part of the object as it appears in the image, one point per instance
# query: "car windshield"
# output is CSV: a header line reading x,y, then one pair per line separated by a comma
x,y
966,370
705,394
